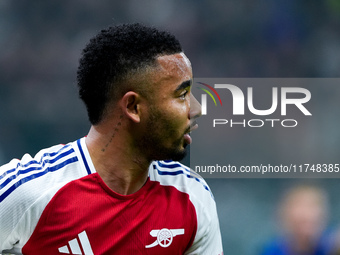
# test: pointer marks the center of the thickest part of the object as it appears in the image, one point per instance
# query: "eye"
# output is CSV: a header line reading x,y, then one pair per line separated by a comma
x,y
184,94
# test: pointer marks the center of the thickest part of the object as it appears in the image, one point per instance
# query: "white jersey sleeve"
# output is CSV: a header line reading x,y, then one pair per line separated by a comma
x,y
27,185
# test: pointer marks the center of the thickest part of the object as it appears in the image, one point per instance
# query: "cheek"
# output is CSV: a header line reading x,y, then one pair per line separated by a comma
x,y
173,121
178,112
172,115
181,107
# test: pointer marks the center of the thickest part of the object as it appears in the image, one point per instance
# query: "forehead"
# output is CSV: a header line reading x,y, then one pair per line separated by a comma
x,y
175,61
172,69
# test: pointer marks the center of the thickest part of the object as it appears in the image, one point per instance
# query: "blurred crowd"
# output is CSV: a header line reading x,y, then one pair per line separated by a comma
x,y
41,42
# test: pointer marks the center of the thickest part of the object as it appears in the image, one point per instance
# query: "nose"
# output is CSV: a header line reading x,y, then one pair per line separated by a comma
x,y
195,108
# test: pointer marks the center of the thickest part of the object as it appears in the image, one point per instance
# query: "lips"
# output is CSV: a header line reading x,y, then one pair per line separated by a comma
x,y
187,138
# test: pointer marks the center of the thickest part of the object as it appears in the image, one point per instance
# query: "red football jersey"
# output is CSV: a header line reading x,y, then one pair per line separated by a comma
x,y
113,223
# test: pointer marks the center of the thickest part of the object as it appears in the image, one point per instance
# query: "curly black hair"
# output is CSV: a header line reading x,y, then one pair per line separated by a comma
x,y
112,55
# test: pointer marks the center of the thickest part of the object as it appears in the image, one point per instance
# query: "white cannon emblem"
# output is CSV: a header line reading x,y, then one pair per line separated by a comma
x,y
164,236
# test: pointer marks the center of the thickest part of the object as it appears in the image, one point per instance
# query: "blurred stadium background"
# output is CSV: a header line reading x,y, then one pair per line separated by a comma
x,y
41,42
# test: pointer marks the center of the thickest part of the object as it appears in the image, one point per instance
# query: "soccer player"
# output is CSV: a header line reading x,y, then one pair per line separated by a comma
x,y
117,190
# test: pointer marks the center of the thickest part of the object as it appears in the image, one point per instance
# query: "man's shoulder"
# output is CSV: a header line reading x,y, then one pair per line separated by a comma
x,y
28,184
183,178
27,173
49,154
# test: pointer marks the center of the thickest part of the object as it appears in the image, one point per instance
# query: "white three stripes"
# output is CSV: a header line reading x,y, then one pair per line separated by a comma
x,y
75,248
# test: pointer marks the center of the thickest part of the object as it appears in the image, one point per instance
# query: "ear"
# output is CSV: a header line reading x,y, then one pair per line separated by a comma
x,y
131,106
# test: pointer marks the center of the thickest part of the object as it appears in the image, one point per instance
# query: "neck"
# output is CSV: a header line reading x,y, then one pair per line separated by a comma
x,y
121,167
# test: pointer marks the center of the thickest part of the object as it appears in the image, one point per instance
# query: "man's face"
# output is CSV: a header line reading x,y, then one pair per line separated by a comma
x,y
170,115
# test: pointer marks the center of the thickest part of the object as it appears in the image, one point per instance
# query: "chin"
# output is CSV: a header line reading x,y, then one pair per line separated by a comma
x,y
175,155
179,155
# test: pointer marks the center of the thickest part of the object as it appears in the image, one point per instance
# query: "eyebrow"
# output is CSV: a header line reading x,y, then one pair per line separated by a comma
x,y
184,85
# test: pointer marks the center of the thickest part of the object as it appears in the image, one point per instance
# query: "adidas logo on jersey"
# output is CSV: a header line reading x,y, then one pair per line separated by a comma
x,y
79,245
164,236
